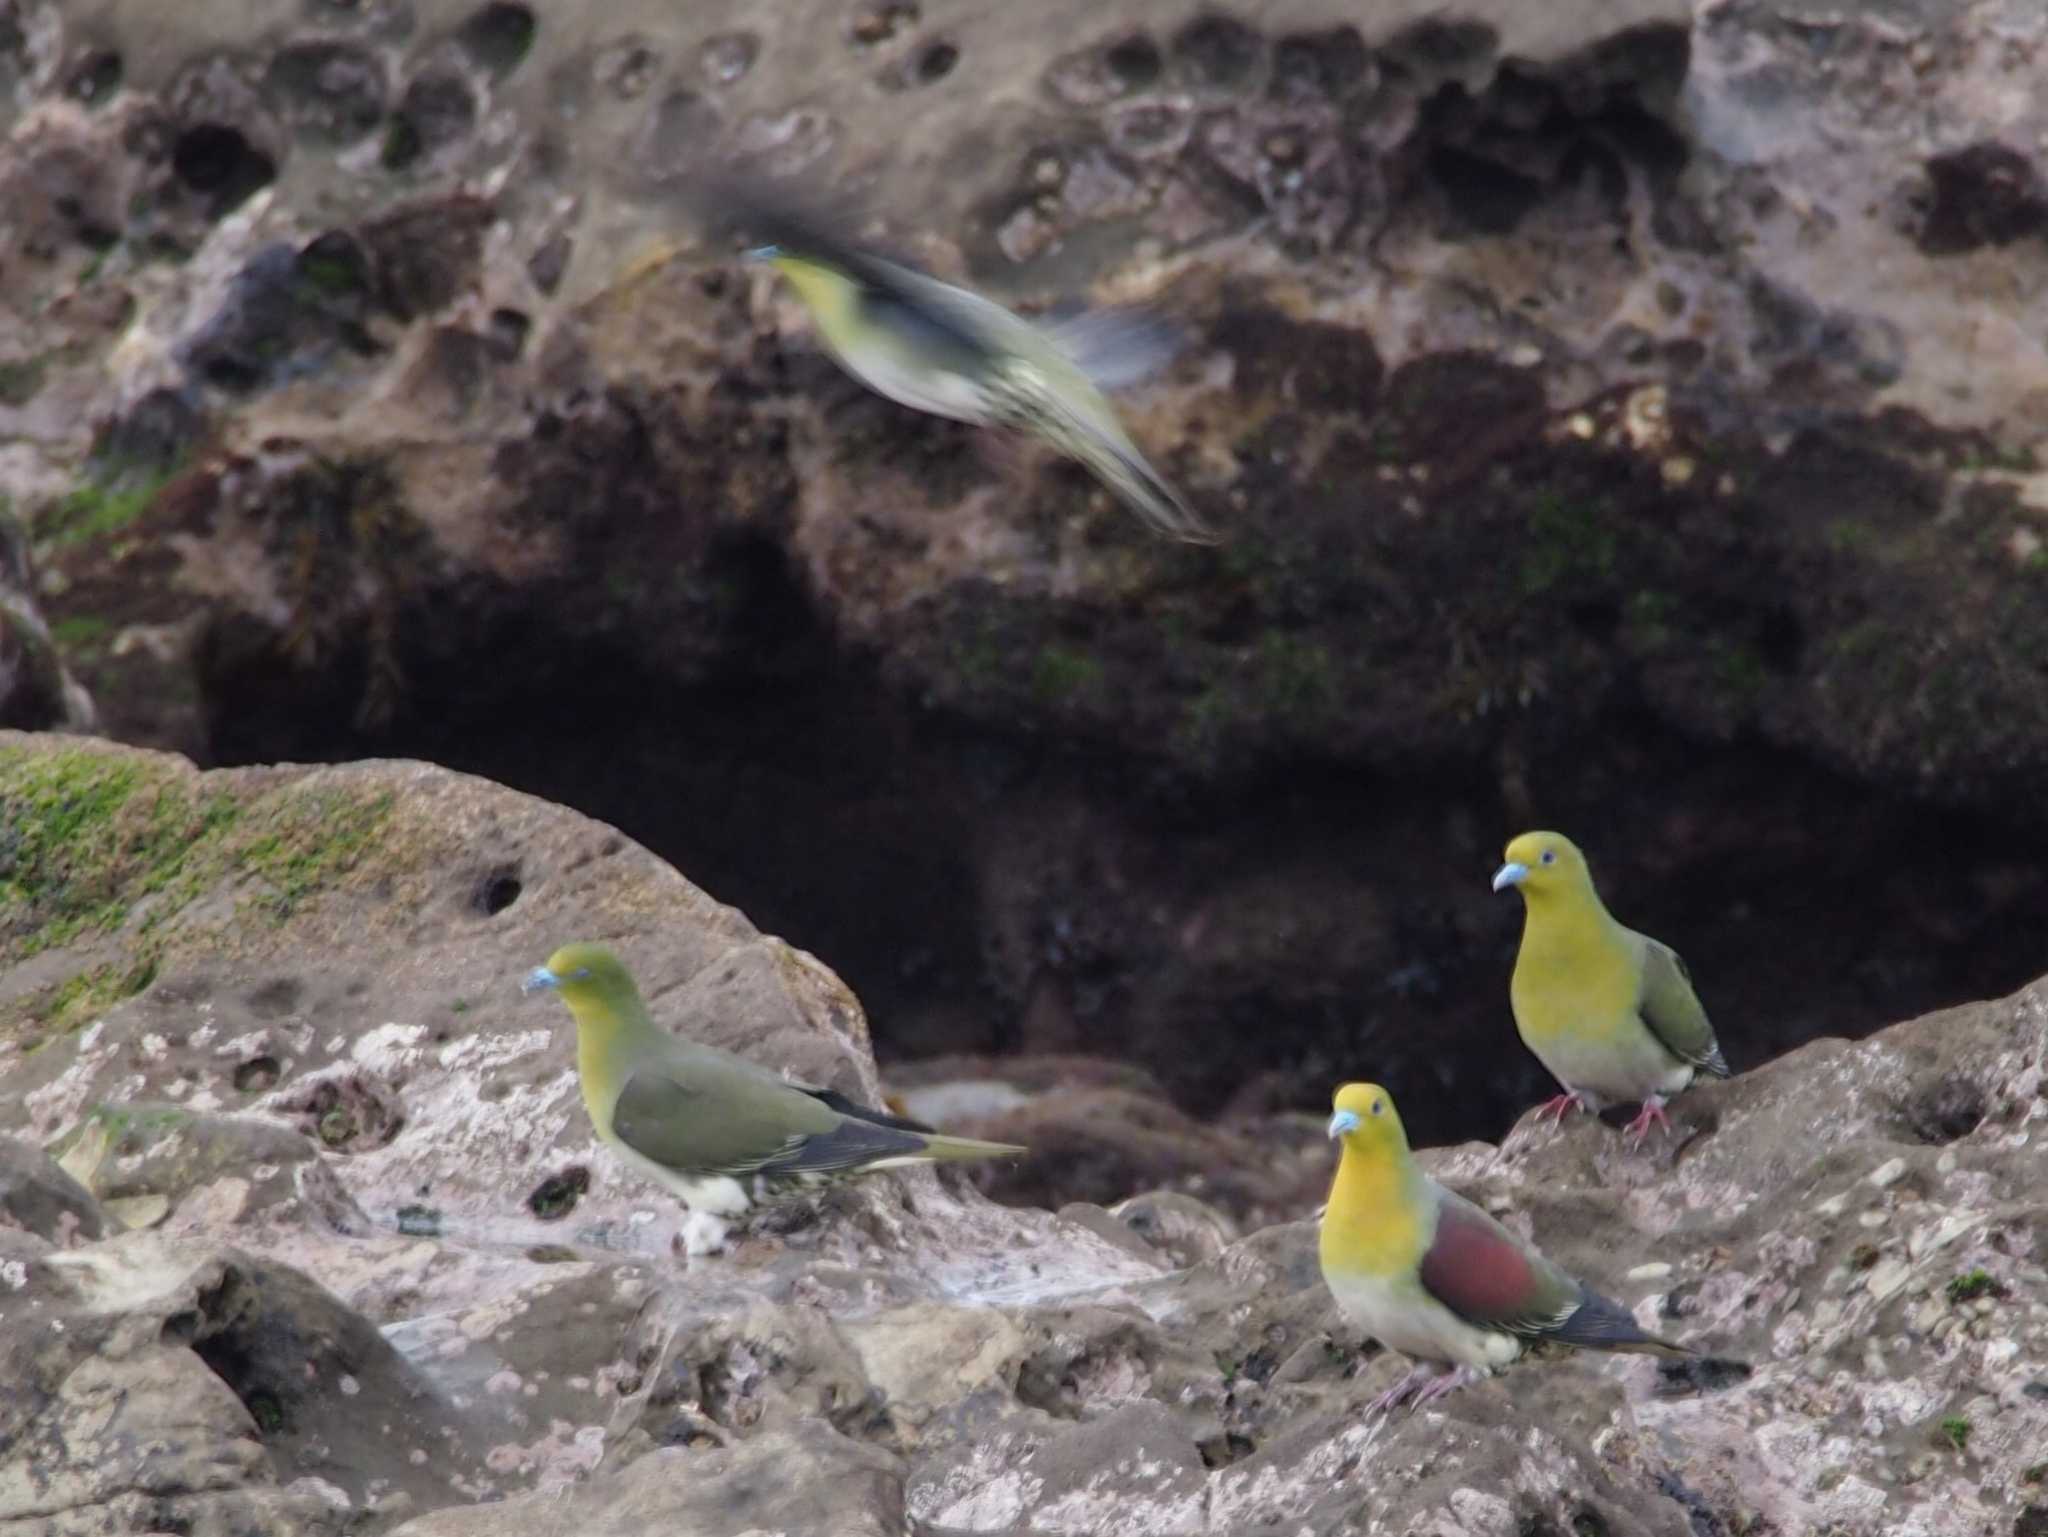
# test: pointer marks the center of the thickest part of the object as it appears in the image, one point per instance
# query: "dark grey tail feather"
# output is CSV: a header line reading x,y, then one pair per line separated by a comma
x,y
1717,1064
1599,1323
855,1108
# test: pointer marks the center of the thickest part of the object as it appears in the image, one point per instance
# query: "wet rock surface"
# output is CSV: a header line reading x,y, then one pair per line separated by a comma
x,y
285,1312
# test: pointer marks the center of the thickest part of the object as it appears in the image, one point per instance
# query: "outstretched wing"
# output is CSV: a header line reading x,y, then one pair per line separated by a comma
x,y
1673,1011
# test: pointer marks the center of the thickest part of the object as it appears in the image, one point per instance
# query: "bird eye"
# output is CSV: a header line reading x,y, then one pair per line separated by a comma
x,y
580,974
1376,1107
1550,856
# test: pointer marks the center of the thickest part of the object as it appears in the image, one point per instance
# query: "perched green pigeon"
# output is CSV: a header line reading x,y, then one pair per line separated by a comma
x,y
718,1130
1610,1012
1427,1273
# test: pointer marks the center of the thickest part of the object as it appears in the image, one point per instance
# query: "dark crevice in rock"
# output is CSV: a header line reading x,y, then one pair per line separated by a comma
x,y
1250,939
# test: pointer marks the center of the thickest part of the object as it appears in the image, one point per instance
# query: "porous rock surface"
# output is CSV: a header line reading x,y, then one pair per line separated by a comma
x,y
303,1231
1588,392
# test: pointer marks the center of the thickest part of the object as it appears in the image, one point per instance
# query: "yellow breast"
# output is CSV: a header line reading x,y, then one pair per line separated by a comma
x,y
1373,1224
1575,975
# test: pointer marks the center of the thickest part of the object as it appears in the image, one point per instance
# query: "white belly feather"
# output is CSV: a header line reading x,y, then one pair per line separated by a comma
x,y
1624,1068
1402,1316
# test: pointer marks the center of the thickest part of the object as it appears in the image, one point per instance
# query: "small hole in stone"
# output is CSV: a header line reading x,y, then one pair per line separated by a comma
x,y
95,77
219,161
508,330
1946,1112
937,62
1134,62
556,1196
1218,50
257,1074
496,891
499,36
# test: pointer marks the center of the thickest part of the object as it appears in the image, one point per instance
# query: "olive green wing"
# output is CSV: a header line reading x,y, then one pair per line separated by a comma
x,y
1673,1011
701,1115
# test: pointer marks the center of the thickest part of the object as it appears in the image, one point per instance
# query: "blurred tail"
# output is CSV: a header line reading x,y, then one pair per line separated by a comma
x,y
1115,461
951,1149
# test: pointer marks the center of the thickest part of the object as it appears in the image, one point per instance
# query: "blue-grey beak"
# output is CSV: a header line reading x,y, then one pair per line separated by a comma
x,y
1509,875
764,253
1343,1121
539,978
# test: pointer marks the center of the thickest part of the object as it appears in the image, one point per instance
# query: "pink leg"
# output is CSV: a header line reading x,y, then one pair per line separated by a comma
x,y
1422,1384
1557,1109
1448,1382
1405,1388
1652,1114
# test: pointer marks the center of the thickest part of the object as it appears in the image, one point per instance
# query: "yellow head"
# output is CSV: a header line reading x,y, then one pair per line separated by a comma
x,y
1366,1124
1542,865
593,982
828,291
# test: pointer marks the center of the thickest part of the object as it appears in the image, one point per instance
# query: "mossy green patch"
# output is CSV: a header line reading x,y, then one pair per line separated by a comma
x,y
1972,1284
310,839
80,632
1570,543
79,999
104,505
90,840
1059,675
1956,1430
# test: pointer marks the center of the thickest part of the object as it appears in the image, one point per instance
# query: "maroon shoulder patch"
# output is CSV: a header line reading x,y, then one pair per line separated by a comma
x,y
1476,1270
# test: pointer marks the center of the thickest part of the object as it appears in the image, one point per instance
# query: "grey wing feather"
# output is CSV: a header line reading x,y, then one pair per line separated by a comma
x,y
1673,1011
1115,347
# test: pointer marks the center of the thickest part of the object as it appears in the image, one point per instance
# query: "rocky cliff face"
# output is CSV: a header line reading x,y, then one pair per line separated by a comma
x,y
303,1232
1623,418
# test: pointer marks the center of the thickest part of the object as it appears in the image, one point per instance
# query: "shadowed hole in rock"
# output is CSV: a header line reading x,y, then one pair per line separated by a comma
x,y
1438,48
949,868
507,332
1319,63
95,77
1946,1112
1217,52
257,1074
437,110
332,93
1221,1451
1588,1522
496,891
937,62
1482,195
1693,1375
499,36
556,1196
1982,194
275,998
1134,63
219,162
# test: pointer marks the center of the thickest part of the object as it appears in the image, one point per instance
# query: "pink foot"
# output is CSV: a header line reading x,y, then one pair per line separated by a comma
x,y
1405,1388
1557,1109
1422,1384
1448,1382
1652,1114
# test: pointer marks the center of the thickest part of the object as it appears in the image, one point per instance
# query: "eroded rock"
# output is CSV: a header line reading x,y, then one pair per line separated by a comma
x,y
391,1332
